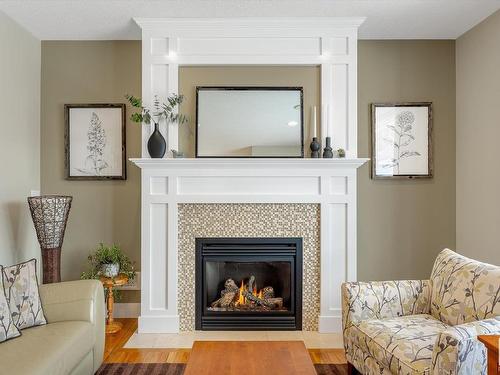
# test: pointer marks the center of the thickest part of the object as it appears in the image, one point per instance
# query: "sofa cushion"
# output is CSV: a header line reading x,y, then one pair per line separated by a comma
x,y
402,345
21,290
463,289
54,348
8,329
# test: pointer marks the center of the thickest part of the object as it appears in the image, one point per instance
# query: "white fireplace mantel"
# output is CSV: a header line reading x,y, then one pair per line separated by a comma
x,y
331,183
328,42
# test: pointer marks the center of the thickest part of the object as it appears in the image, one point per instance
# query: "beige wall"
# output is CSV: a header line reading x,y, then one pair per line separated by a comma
x,y
19,140
478,135
102,211
307,77
403,224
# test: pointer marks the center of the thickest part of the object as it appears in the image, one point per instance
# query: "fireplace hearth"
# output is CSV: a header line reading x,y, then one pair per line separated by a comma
x,y
248,284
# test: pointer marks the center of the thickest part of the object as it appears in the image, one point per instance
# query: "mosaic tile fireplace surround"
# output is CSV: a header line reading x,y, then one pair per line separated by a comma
x,y
249,221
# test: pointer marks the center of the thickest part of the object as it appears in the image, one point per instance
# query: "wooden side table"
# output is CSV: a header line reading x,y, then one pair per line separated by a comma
x,y
491,342
109,283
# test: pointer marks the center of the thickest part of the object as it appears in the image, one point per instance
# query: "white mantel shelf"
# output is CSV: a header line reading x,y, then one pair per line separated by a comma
x,y
244,163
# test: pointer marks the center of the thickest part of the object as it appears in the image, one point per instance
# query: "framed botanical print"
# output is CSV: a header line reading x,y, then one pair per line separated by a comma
x,y
95,141
402,140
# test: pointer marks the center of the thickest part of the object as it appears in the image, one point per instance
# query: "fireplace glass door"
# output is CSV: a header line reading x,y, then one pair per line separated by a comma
x,y
249,284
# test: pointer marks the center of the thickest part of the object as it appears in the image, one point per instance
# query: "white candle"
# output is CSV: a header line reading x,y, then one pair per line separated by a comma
x,y
314,122
327,120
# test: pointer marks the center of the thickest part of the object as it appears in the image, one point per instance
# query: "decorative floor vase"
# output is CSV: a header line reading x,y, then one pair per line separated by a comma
x,y
51,265
156,144
50,215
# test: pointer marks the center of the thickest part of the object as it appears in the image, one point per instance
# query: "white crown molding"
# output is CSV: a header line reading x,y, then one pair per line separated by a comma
x,y
240,26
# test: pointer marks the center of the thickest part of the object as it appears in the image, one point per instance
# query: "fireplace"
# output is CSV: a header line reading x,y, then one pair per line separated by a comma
x,y
248,284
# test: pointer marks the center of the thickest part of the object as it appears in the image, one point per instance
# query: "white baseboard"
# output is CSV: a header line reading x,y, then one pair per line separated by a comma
x,y
126,310
330,324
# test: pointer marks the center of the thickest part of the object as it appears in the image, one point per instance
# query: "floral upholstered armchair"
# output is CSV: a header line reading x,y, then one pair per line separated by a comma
x,y
423,327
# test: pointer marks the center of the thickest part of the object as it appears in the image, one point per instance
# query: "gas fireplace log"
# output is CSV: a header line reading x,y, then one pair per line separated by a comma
x,y
249,296
275,302
228,295
226,300
268,292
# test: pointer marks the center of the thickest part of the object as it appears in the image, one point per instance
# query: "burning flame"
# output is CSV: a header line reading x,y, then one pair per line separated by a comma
x,y
242,299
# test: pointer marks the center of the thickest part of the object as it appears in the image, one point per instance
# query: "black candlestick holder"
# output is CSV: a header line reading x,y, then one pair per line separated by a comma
x,y
328,152
315,148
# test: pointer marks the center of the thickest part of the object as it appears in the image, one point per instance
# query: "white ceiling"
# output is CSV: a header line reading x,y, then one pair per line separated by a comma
x,y
112,19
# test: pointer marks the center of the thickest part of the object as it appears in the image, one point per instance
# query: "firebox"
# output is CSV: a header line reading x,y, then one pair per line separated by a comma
x,y
248,284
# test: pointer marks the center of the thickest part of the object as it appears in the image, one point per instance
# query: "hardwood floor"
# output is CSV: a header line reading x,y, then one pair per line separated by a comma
x,y
114,352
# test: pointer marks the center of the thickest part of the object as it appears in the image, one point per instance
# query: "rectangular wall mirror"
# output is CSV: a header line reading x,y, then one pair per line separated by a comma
x,y
249,122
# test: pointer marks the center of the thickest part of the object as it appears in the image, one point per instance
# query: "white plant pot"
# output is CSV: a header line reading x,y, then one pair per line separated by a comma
x,y
110,270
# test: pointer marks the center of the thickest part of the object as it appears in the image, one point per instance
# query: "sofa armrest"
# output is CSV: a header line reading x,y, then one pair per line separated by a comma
x,y
77,300
383,299
457,350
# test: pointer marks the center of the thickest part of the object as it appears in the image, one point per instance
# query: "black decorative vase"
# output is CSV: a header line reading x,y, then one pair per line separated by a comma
x,y
315,148
156,144
328,152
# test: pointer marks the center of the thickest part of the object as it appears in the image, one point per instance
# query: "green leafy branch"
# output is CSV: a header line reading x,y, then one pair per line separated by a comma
x,y
158,111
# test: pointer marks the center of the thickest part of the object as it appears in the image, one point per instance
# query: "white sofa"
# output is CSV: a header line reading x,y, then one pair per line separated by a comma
x,y
72,341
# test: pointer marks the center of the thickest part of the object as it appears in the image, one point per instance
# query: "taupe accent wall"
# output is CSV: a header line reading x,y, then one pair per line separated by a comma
x,y
102,211
19,140
478,135
402,224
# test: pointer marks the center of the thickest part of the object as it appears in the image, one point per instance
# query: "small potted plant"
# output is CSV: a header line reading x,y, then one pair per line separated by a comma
x,y
159,111
108,261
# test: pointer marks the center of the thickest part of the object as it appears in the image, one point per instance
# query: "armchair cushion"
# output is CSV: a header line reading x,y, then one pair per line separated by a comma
x,y
403,344
383,299
457,350
463,289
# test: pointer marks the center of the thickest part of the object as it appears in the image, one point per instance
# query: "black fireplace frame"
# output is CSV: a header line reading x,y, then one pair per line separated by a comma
x,y
244,249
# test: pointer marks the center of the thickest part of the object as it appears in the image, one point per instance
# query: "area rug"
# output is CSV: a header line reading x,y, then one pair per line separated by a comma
x,y
337,369
141,369
178,369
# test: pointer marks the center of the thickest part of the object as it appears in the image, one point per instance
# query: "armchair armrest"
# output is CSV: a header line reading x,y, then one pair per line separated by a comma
x,y
383,299
77,300
457,350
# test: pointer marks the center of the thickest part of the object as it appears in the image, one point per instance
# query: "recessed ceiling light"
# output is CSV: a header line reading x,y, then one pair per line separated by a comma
x,y
292,123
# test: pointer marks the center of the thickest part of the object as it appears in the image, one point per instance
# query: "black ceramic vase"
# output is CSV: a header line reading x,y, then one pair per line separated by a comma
x,y
328,152
156,144
315,148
